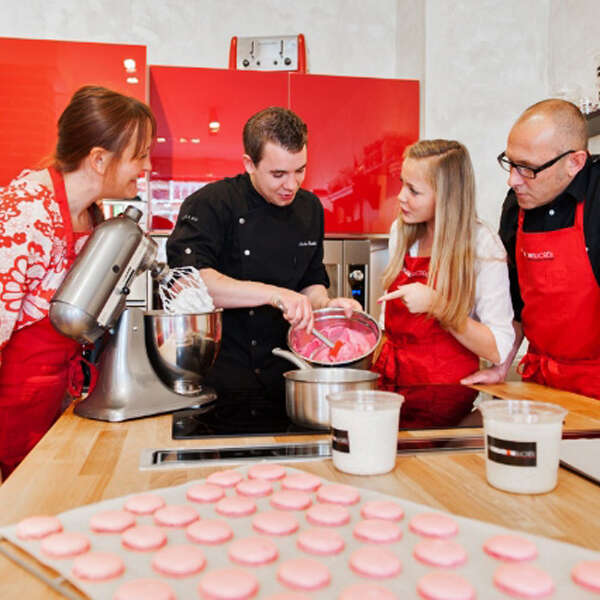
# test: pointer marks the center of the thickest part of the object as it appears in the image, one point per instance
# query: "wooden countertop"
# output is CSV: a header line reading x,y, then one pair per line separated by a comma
x,y
81,461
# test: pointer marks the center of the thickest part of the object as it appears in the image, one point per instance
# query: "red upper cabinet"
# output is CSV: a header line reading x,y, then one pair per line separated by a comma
x,y
201,114
357,131
37,80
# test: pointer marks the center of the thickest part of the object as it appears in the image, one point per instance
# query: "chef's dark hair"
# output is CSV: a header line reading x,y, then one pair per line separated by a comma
x,y
274,124
99,117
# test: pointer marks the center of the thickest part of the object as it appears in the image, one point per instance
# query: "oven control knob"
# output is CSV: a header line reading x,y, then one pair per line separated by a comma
x,y
356,276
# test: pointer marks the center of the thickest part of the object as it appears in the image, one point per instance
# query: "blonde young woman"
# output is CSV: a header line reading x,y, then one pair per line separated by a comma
x,y
447,303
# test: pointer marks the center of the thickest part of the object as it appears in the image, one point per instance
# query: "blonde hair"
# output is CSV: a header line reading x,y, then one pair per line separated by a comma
x,y
448,169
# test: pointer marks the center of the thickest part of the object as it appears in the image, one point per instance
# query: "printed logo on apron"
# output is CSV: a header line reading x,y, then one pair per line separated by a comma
x,y
339,440
518,454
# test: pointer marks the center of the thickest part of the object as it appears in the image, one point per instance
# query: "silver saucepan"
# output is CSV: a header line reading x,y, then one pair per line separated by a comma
x,y
306,389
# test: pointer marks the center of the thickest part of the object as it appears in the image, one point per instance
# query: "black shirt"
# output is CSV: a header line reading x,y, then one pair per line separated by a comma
x,y
230,227
558,214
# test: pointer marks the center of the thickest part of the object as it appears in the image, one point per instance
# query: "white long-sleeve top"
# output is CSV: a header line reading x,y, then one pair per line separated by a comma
x,y
493,306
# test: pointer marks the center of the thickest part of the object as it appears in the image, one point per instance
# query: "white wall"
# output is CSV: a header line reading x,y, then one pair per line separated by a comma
x,y
480,62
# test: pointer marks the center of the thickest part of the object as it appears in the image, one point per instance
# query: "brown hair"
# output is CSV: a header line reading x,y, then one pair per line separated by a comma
x,y
449,171
274,124
99,117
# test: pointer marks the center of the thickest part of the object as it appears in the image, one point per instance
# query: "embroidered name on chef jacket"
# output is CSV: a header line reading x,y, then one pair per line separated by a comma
x,y
518,454
307,243
417,273
544,255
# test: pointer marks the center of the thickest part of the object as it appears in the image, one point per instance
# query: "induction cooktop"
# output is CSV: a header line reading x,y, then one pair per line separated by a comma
x,y
247,413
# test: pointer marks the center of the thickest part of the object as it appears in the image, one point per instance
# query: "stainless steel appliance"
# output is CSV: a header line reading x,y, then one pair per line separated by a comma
x,y
355,266
154,362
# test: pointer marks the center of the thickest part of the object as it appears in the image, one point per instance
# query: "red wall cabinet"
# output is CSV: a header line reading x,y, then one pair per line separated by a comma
x,y
201,114
358,129
37,80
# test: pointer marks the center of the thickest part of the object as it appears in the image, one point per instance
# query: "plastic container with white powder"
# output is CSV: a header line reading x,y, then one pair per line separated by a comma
x,y
364,428
522,443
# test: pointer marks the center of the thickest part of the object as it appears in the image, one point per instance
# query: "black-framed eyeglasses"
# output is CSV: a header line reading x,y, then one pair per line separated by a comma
x,y
524,171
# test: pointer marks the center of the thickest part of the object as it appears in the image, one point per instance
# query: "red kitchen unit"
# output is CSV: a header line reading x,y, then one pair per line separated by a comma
x,y
201,114
37,80
358,129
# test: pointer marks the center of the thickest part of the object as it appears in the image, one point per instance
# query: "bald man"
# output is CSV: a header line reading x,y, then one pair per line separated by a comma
x,y
550,226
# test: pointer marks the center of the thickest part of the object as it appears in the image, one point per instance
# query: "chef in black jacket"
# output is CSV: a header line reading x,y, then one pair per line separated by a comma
x,y
257,240
550,226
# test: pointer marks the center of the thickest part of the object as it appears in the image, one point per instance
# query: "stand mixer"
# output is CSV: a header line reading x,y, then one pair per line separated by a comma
x,y
153,362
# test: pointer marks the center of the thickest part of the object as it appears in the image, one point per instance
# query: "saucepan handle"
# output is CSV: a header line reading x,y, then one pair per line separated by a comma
x,y
301,364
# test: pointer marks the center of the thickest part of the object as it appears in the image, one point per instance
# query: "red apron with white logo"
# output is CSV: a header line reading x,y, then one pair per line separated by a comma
x,y
418,350
561,312
38,366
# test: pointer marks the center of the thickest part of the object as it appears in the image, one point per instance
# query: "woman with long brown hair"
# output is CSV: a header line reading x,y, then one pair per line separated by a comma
x,y
448,301
45,217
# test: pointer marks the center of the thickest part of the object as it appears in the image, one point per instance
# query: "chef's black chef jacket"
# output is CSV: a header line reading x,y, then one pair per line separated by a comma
x,y
228,226
558,214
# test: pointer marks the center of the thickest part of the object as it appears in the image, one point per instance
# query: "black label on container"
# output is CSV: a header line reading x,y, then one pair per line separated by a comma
x,y
339,440
518,454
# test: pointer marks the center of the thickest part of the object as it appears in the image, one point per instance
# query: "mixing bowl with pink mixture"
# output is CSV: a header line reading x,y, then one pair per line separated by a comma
x,y
359,334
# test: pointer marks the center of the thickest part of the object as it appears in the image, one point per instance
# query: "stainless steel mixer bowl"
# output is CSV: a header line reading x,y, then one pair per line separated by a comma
x,y
182,348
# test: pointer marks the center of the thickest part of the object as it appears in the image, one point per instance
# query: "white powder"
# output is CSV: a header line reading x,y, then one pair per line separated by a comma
x,y
183,291
543,451
371,435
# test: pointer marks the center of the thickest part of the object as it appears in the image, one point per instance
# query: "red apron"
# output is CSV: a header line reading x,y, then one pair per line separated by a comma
x,y
38,366
561,312
418,350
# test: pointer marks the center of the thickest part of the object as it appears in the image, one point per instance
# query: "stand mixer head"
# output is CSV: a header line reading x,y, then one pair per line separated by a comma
x,y
154,362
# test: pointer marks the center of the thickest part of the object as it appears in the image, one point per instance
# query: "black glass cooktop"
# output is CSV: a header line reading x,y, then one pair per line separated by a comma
x,y
248,414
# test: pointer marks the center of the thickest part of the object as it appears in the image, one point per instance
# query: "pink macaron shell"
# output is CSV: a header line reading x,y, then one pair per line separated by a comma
x,y
209,531
204,492
523,581
275,522
97,566
305,482
146,589
257,550
304,574
445,585
235,506
228,584
226,478
269,471
291,500
433,525
144,504
510,547
440,553
587,574
382,509
328,515
288,596
375,561
38,527
65,544
338,493
320,541
112,521
175,515
378,531
254,488
143,538
366,591
179,561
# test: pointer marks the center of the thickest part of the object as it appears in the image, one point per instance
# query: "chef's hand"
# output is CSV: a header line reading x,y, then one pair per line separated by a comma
x,y
417,297
348,304
296,308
